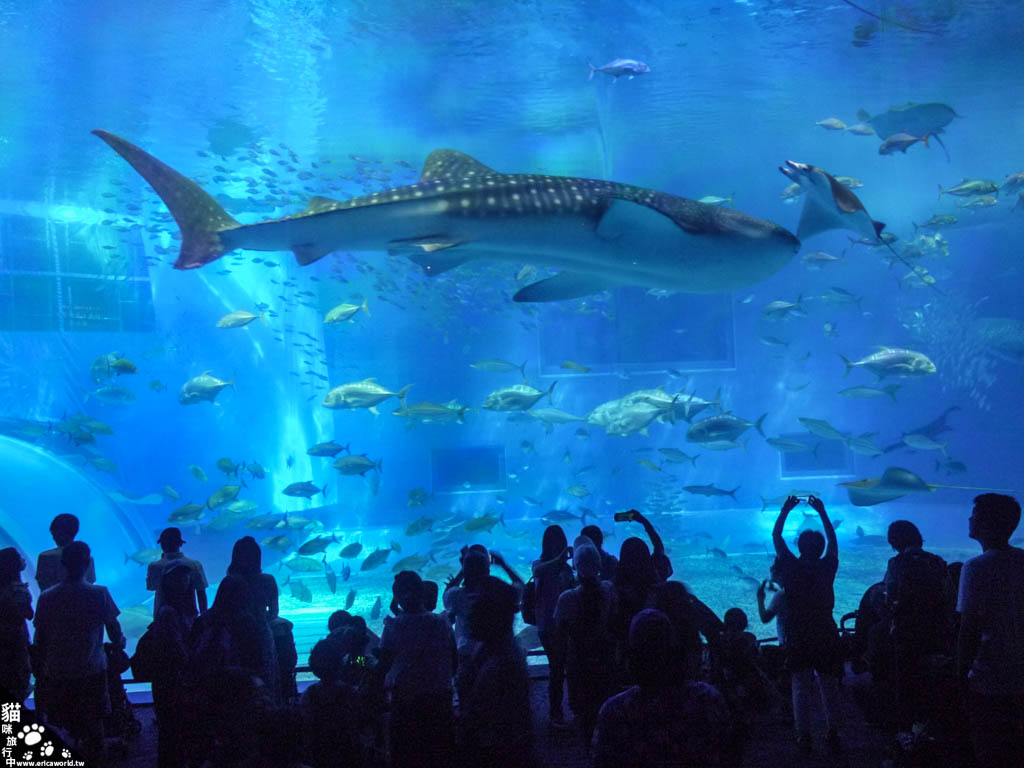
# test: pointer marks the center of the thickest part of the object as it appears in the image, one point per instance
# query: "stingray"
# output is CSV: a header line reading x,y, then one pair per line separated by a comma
x,y
889,20
920,120
227,135
896,482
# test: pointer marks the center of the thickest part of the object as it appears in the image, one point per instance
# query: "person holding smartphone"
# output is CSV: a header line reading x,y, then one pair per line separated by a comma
x,y
811,644
662,565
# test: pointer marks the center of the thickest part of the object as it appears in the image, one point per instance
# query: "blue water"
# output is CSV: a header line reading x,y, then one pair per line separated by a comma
x,y
365,91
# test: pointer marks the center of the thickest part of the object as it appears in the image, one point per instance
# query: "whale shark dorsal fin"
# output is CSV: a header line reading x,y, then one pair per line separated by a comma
x,y
452,164
565,285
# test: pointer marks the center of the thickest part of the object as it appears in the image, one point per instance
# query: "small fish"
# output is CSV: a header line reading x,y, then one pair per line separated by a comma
x,y
375,559
869,392
238,319
156,385
317,545
901,142
571,365
710,490
300,591
716,553
832,124
121,365
351,550
494,365
715,200
649,464
375,611
675,456
619,67
924,443
350,599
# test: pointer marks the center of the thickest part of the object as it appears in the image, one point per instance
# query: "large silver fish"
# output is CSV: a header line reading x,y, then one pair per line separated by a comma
x,y
600,233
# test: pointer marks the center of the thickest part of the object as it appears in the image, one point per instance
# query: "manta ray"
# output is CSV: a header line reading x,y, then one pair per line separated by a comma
x,y
601,234
829,204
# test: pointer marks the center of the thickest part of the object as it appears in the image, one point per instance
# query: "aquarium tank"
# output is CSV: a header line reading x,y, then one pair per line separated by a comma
x,y
372,282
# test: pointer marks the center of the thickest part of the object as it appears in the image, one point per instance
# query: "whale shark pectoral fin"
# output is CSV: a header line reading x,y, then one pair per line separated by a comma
x,y
433,253
625,218
566,285
308,253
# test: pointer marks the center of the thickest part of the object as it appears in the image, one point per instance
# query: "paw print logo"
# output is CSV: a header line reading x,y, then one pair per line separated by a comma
x,y
31,734
46,749
65,754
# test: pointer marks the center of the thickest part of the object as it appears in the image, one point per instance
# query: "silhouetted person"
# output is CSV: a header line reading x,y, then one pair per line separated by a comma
x,y
72,675
476,566
812,643
742,681
331,707
609,562
552,576
49,571
690,619
171,627
583,626
417,649
15,612
665,719
990,653
636,587
192,603
917,597
495,724
340,621
262,596
659,560
230,652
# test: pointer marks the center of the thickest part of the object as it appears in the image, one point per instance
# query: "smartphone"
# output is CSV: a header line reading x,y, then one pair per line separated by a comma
x,y
625,517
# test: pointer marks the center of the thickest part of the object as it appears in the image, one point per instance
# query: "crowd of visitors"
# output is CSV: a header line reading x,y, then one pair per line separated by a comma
x,y
654,677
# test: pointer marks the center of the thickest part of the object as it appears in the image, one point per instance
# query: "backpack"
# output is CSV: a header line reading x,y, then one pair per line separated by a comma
x,y
147,660
529,602
212,653
159,654
921,590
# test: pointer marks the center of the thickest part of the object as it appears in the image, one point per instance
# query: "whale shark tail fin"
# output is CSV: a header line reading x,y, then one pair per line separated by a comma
x,y
200,217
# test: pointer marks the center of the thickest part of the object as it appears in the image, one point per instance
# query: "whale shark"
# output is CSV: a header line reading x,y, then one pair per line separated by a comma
x,y
601,234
